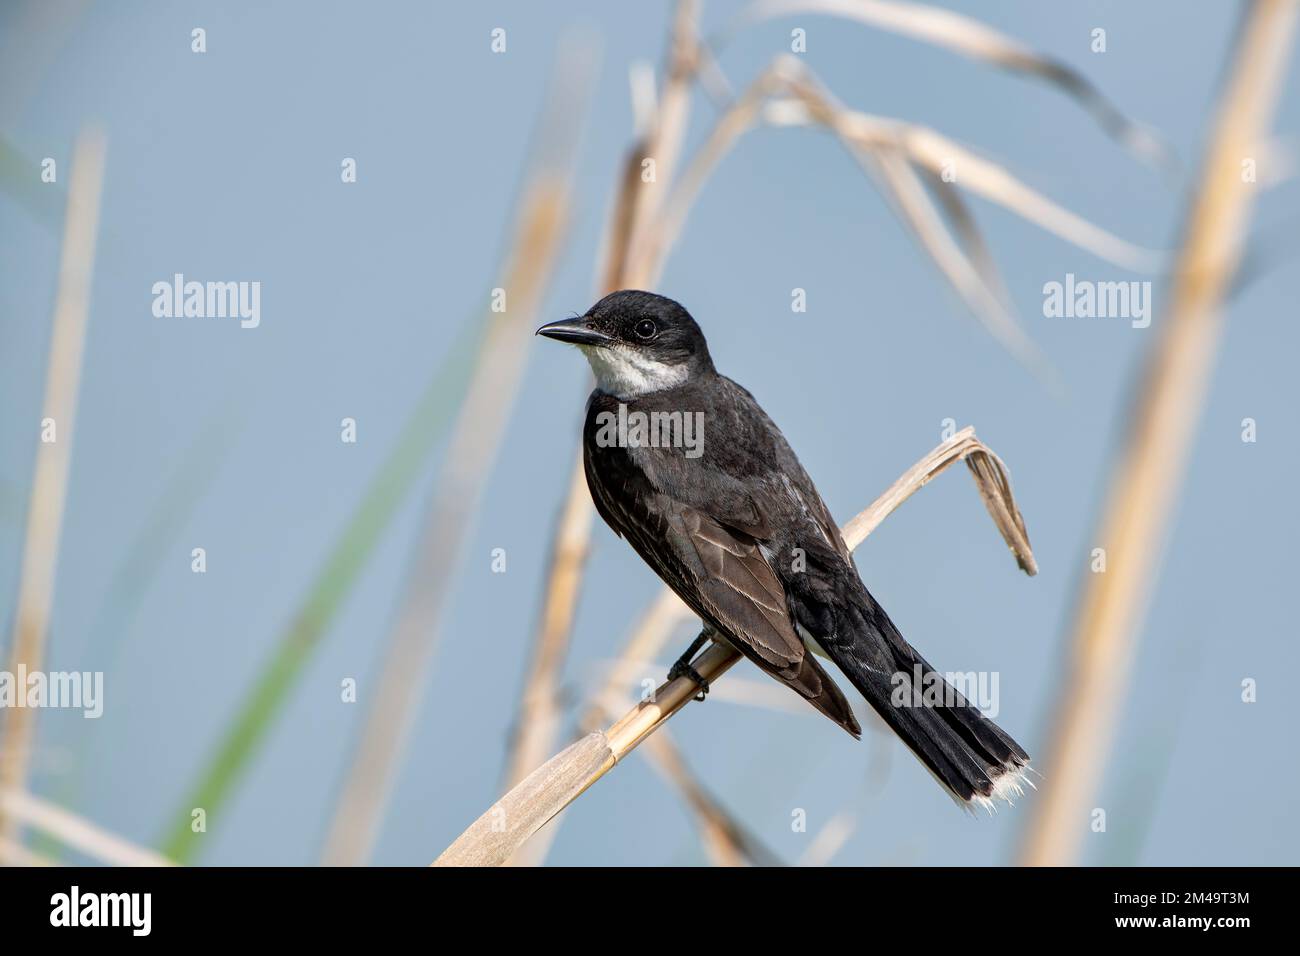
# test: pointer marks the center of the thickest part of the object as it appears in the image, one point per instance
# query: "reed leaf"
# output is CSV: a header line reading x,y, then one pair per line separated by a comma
x,y
979,42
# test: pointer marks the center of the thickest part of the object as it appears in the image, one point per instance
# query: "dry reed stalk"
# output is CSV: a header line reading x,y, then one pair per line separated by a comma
x,y
75,832
637,200
979,42
498,833
978,283
787,93
762,694
1148,475
933,152
479,428
663,143
536,727
50,478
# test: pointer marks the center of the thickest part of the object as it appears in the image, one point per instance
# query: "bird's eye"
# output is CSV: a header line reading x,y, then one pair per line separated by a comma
x,y
645,329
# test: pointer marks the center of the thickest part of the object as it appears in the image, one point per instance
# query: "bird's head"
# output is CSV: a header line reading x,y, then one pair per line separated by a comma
x,y
636,342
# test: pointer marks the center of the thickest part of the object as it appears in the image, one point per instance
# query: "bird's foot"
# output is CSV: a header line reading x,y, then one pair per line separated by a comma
x,y
683,668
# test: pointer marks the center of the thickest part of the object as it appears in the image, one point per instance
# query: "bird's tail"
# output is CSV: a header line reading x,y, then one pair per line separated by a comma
x,y
965,751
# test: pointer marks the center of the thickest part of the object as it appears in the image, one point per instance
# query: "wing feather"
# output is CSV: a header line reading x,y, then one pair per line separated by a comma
x,y
718,570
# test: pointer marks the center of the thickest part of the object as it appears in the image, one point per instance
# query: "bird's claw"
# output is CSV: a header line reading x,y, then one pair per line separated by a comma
x,y
683,668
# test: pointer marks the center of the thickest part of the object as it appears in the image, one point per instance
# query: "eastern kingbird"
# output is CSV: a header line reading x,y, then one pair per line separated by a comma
x,y
734,525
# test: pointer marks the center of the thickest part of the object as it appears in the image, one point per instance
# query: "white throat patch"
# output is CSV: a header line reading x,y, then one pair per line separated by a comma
x,y
625,373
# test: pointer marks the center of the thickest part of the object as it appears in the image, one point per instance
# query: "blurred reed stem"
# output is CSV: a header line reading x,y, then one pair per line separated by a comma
x,y
1148,475
475,439
636,203
71,831
53,459
471,364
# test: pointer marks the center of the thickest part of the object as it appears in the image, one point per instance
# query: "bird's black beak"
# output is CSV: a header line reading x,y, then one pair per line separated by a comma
x,y
574,331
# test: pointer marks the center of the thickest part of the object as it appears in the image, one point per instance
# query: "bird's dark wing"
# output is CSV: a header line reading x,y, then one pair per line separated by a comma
x,y
718,569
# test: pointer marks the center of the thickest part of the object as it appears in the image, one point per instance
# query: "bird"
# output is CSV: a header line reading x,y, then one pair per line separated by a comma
x,y
684,464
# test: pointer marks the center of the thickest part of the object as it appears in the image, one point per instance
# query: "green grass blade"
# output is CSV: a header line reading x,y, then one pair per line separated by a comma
x,y
333,584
